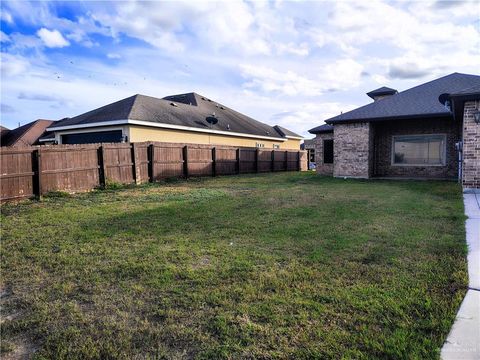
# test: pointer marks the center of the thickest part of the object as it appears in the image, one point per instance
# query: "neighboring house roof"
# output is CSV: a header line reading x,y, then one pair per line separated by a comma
x,y
27,134
325,128
3,129
308,144
47,137
381,92
419,101
184,111
287,133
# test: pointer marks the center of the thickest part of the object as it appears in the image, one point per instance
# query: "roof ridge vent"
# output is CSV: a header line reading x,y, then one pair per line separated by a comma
x,y
173,104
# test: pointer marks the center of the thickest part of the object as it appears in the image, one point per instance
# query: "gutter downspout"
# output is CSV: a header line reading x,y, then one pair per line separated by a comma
x,y
458,145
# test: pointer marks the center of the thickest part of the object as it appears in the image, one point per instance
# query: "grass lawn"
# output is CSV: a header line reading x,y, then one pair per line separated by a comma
x,y
289,265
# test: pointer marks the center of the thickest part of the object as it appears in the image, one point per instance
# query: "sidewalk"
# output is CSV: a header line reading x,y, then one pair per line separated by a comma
x,y
463,342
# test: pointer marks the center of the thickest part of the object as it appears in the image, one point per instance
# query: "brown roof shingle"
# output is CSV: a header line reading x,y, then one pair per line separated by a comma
x,y
27,134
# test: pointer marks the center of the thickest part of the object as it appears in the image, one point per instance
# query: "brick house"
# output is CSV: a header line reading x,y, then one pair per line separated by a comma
x,y
416,133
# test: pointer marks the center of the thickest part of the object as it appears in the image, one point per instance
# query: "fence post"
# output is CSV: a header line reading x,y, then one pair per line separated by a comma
x,y
257,153
299,166
150,158
238,161
272,165
185,161
214,161
101,166
37,176
286,160
134,163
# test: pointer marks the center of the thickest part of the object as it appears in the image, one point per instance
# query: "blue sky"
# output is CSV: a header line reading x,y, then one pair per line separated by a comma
x,y
289,63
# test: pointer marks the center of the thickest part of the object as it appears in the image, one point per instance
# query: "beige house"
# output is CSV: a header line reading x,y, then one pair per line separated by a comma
x,y
184,118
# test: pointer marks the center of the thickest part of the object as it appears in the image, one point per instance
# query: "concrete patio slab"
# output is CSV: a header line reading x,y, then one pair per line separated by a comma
x,y
463,342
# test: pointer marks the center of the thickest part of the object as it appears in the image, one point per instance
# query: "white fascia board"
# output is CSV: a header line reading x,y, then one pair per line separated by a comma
x,y
160,125
295,137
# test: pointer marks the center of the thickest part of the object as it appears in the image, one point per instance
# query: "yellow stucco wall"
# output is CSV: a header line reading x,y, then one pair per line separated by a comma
x,y
140,133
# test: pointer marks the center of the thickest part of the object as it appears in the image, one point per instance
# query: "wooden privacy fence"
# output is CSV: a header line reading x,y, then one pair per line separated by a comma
x,y
33,171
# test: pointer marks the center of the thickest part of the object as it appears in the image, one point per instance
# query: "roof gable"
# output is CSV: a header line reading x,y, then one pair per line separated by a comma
x,y
27,134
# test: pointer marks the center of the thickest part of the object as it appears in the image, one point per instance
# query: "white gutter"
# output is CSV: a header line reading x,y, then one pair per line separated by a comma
x,y
295,137
165,126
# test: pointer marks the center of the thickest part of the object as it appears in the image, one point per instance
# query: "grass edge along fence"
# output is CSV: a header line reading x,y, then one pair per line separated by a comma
x,y
29,172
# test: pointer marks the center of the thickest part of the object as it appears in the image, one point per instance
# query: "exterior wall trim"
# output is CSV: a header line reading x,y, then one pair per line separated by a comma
x,y
165,126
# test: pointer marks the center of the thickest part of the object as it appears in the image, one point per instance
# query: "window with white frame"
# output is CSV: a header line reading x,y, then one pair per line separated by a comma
x,y
419,150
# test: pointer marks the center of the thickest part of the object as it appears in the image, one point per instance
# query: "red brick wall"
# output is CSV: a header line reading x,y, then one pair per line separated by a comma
x,y
471,147
353,149
322,169
384,131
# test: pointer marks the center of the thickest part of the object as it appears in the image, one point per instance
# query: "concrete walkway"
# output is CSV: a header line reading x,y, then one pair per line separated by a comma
x,y
463,342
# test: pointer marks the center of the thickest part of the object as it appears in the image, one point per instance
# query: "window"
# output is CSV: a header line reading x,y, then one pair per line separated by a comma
x,y
419,150
93,137
259,145
312,155
328,151
276,146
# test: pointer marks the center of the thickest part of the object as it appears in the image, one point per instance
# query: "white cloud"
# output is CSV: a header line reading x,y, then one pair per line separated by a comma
x,y
4,37
287,83
342,74
114,56
12,65
302,49
415,36
52,38
6,16
309,115
338,75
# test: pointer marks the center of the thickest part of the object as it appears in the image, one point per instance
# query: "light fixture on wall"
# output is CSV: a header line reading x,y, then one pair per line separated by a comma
x,y
476,113
476,116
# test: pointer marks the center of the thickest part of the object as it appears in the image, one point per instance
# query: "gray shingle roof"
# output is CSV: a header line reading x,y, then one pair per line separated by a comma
x,y
419,101
47,136
325,128
473,90
189,110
